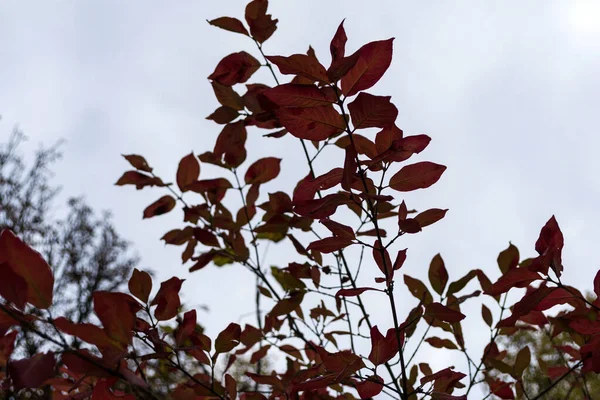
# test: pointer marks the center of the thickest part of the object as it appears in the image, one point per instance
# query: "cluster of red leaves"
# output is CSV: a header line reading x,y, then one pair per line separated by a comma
x,y
322,105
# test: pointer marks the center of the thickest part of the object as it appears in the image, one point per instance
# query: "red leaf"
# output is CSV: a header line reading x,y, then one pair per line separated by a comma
x,y
7,346
430,216
230,144
227,96
301,65
307,188
438,275
102,392
117,312
386,137
443,313
514,278
529,302
369,111
228,338
400,258
418,289
330,244
354,292
291,95
140,284
417,176
439,343
315,123
508,258
383,349
337,46
30,266
383,261
373,60
160,206
338,229
32,372
557,372
138,162
361,143
12,286
597,284
167,299
370,387
235,68
550,244
229,24
139,180
223,115
350,167
262,25
88,333
188,171
186,327
263,170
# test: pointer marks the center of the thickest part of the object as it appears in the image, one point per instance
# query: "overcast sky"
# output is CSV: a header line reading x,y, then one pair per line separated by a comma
x,y
508,91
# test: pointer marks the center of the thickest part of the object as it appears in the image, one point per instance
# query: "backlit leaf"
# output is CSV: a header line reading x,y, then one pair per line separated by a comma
x,y
140,284
315,123
443,313
262,25
188,171
235,68
28,264
160,206
263,170
373,60
368,111
438,275
417,176
229,24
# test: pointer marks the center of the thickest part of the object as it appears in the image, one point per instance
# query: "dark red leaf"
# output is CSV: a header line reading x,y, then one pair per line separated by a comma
x,y
262,25
443,313
368,111
138,162
338,229
383,349
223,115
188,171
167,299
315,123
230,144
382,259
417,176
186,327
438,275
337,46
369,387
430,216
308,188
439,343
302,65
354,292
235,68
373,60
290,95
518,277
400,258
228,97
330,244
160,206
30,266
508,259
117,313
229,24
140,284
228,338
139,180
263,170
32,372
361,143
418,289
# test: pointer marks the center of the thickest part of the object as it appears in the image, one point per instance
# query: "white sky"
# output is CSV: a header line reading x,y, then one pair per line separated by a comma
x,y
508,91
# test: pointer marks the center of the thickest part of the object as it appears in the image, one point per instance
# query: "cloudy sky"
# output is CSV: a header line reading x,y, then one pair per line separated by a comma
x,y
508,91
